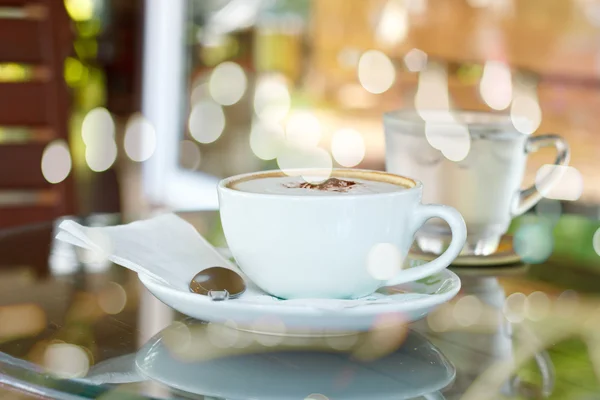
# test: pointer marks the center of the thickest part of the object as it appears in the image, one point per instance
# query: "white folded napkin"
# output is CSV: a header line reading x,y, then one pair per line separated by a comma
x,y
171,251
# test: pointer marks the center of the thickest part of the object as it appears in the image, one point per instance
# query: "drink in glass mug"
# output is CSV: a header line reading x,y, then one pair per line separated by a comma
x,y
480,173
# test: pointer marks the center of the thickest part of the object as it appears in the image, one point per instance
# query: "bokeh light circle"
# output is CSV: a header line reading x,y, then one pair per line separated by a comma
x,y
227,83
514,307
65,360
415,60
452,139
376,73
140,138
549,210
303,129
432,94
495,86
596,241
272,99
467,310
190,156
112,299
348,147
222,335
526,114
534,243
98,126
266,140
559,182
101,155
206,122
384,261
316,396
56,161
293,161
537,306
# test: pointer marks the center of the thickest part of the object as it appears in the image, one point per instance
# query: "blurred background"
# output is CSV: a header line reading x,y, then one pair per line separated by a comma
x,y
130,106
115,109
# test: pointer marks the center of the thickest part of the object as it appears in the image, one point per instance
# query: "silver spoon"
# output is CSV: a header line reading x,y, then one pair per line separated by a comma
x,y
218,283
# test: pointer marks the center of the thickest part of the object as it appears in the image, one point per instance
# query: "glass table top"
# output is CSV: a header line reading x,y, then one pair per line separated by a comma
x,y
76,327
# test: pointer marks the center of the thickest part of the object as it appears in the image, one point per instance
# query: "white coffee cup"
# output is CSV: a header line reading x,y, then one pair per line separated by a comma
x,y
296,246
484,185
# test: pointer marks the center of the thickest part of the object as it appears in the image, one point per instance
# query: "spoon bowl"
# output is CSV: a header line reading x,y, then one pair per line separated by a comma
x,y
218,283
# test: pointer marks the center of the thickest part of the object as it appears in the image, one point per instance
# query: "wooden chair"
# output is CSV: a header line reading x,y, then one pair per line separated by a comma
x,y
35,38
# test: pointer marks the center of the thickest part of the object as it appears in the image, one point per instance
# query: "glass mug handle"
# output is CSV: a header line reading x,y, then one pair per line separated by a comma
x,y
529,197
422,214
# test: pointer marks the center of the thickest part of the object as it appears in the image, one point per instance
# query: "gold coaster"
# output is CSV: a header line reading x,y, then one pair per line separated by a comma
x,y
504,255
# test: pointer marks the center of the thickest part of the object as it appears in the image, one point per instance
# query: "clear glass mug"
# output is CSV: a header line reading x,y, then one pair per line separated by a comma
x,y
472,161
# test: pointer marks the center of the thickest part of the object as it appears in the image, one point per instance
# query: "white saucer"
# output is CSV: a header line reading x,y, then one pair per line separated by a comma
x,y
281,318
416,369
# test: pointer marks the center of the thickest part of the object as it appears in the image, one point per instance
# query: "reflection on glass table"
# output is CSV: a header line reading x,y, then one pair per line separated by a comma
x,y
70,324
222,362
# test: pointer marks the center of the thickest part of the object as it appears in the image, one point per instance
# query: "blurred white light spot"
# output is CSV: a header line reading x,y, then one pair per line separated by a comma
x,y
303,129
227,83
316,396
432,93
189,155
266,140
348,147
294,161
384,261
537,306
207,122
596,241
140,138
452,139
348,57
534,243
66,361
415,60
342,343
274,326
559,182
353,95
177,337
467,310
112,298
386,335
271,99
376,72
101,155
56,161
526,114
479,3
199,93
98,255
98,126
222,336
592,12
549,210
441,320
496,85
514,307
567,302
393,24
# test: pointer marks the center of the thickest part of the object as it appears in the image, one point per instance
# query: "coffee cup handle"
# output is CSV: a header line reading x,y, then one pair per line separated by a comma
x,y
529,197
459,236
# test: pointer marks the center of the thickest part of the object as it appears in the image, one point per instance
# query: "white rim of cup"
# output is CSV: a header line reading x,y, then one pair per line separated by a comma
x,y
224,185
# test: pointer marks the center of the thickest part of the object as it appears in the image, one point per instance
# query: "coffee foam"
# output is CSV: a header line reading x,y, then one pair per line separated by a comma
x,y
341,183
